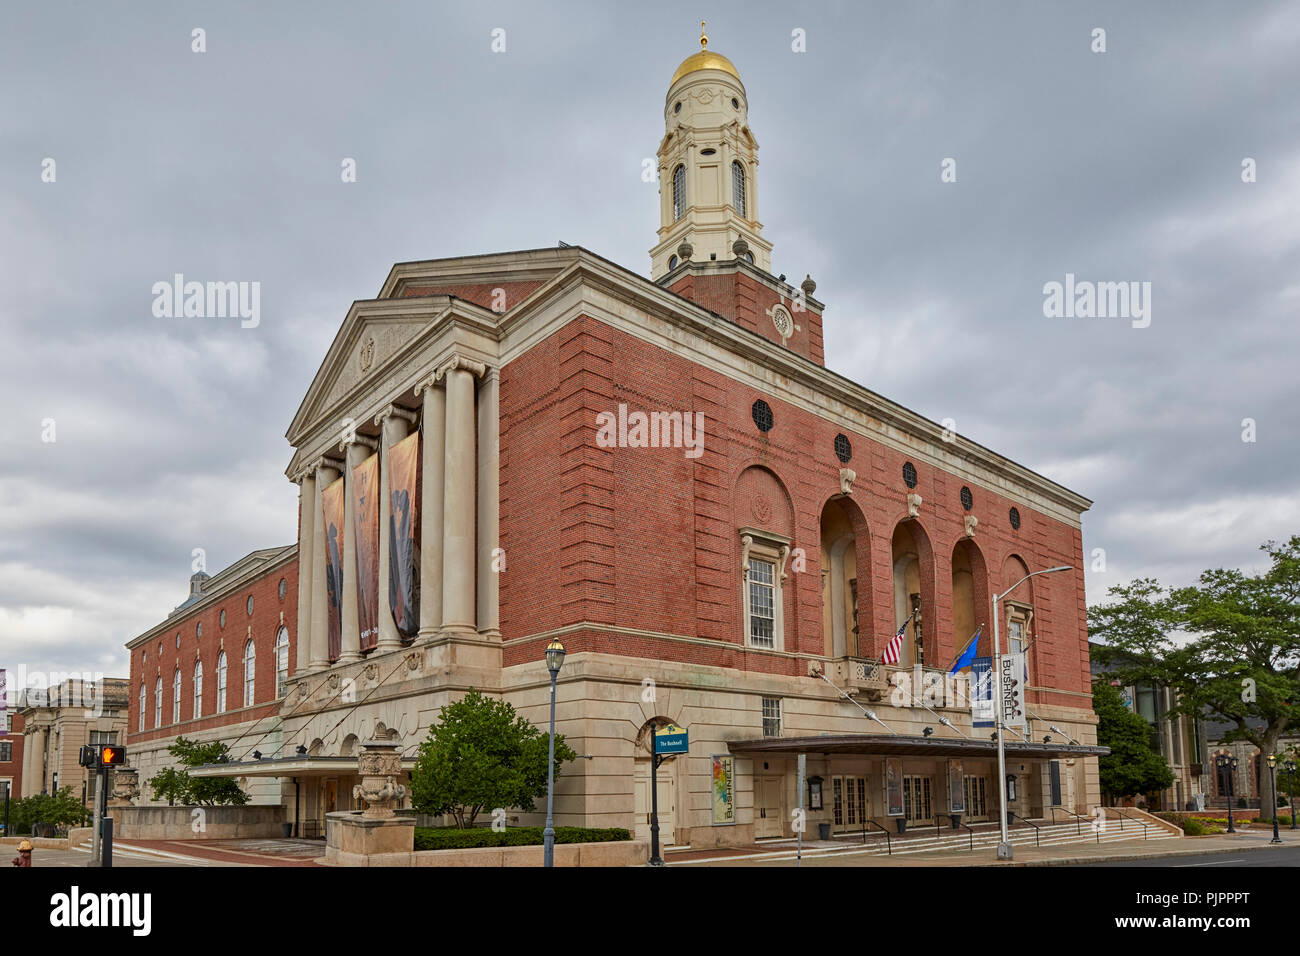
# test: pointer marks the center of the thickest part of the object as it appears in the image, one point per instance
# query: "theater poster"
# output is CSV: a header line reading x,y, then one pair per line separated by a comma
x,y
365,516
894,788
331,501
724,790
956,787
404,534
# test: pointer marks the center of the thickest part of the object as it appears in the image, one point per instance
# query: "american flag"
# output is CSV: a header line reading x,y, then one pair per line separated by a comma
x,y
894,649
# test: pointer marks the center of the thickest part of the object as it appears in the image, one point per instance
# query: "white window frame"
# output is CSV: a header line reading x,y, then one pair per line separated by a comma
x,y
774,549
221,683
739,196
281,660
764,715
176,696
1023,616
250,673
679,195
157,701
198,689
144,704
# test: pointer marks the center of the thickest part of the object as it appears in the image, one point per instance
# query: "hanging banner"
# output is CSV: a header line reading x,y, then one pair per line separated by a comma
x,y
724,790
894,787
1013,691
365,516
404,534
331,501
4,704
981,692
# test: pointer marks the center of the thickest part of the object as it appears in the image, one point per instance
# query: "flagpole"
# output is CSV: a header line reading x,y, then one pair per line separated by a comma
x,y
965,647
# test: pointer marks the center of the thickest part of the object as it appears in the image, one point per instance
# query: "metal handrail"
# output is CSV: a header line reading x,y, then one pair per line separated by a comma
x,y
888,845
971,832
1030,822
1119,812
1078,818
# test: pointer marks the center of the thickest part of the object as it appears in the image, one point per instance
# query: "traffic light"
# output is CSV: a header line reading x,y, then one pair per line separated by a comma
x,y
88,755
111,755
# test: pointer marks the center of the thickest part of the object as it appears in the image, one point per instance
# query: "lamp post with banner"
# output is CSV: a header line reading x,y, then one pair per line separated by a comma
x,y
999,704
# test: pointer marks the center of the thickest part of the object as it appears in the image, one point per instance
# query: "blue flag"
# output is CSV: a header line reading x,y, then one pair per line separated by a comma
x,y
967,656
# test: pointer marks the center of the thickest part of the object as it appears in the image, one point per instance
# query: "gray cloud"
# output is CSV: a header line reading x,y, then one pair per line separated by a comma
x,y
225,165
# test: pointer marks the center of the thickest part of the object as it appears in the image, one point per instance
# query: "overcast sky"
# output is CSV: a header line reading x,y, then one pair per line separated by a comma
x,y
225,165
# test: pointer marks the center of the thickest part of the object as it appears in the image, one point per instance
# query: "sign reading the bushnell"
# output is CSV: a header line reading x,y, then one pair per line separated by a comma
x,y
671,739
981,694
724,790
1013,691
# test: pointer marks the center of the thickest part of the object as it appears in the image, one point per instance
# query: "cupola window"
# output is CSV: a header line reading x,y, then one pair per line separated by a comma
x,y
738,187
679,192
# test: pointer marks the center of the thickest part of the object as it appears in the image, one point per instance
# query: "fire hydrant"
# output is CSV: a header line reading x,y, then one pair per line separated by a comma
x,y
24,857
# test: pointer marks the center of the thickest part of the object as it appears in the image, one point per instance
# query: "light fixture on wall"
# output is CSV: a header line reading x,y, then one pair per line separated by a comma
x,y
928,731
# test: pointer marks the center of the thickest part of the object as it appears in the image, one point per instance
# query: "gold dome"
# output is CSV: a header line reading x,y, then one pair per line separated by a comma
x,y
706,59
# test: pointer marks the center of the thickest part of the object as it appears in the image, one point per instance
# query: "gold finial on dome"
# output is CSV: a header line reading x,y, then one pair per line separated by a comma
x,y
704,41
705,59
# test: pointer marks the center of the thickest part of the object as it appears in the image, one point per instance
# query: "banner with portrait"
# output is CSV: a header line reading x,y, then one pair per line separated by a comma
x,y
365,519
894,787
724,790
404,534
331,501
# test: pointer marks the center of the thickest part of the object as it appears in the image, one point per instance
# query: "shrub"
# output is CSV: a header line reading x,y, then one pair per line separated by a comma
x,y
454,838
1194,827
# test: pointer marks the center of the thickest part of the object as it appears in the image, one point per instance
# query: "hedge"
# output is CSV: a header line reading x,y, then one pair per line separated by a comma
x,y
451,838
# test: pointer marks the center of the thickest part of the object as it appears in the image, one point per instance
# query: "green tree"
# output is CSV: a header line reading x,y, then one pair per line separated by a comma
x,y
1131,767
1229,646
59,809
177,786
481,755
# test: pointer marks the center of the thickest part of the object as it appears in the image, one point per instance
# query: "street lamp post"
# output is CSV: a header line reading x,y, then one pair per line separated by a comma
x,y
1004,847
554,661
1272,770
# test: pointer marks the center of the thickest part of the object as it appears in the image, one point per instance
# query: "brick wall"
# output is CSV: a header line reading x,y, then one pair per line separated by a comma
x,y
649,539
148,663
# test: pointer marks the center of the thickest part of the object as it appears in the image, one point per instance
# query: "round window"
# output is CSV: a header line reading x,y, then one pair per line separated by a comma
x,y
221,618
1015,518
677,108
672,262
178,640
909,475
843,450
248,606
735,103
762,414
198,629
284,588
783,321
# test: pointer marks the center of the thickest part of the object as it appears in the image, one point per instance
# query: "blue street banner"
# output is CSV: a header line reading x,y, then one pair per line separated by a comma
x,y
981,692
671,739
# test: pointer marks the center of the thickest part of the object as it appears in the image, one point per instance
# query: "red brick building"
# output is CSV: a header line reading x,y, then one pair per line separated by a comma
x,y
215,669
662,474
11,755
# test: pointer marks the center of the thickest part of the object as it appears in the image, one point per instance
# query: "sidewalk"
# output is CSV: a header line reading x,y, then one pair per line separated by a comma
x,y
818,854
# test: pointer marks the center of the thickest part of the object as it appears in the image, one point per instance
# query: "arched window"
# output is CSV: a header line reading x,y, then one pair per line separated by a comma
x,y
143,705
738,187
679,192
221,683
281,661
157,701
250,661
176,696
198,689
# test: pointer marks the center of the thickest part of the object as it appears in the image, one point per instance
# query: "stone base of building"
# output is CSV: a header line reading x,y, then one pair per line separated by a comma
x,y
198,823
625,853
352,839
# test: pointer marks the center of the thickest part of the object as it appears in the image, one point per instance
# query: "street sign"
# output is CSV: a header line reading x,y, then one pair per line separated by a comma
x,y
671,739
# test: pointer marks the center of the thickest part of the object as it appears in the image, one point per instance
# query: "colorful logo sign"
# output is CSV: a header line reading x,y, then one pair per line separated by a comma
x,y
671,739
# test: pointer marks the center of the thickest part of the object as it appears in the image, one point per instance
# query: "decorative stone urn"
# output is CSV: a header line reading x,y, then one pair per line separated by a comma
x,y
126,787
380,764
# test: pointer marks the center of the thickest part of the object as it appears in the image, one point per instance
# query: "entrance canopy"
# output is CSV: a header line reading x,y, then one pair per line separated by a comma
x,y
295,766
896,745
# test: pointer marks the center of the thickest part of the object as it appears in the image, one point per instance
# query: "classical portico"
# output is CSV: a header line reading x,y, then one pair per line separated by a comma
x,y
371,393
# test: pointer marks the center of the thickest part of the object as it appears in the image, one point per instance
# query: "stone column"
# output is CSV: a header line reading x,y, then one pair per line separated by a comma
x,y
458,558
325,474
29,760
395,423
356,449
306,557
489,502
431,491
